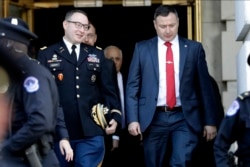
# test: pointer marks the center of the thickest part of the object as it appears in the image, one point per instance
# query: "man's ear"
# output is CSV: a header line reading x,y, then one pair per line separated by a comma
x,y
64,24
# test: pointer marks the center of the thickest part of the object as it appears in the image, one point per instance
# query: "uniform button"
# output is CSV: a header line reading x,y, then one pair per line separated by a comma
x,y
77,86
54,69
77,68
77,77
78,96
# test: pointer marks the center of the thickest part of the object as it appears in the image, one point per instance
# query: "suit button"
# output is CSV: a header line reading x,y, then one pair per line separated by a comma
x,y
77,68
77,77
77,86
78,96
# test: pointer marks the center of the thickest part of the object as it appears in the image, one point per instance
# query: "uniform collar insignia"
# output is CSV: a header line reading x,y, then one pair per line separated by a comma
x,y
85,49
61,49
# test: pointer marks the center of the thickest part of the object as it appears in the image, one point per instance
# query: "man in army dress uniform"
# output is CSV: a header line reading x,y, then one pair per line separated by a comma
x,y
82,83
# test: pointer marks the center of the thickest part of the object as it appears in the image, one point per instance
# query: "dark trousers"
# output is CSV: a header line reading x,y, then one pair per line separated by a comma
x,y
205,153
49,160
169,135
128,154
14,162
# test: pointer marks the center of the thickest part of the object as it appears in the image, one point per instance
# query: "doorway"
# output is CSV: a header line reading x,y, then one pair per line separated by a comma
x,y
115,25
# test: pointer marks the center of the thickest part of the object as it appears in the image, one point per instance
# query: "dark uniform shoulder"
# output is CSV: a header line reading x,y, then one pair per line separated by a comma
x,y
244,95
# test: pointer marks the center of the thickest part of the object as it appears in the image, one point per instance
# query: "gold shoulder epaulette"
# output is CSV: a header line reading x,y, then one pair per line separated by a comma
x,y
97,47
42,48
244,95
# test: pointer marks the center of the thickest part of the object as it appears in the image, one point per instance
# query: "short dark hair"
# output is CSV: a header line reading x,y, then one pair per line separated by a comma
x,y
71,12
164,10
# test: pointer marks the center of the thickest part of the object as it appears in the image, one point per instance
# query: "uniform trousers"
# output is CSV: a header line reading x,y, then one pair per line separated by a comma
x,y
88,152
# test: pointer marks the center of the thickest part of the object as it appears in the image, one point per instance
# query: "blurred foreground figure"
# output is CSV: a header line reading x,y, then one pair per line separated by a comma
x,y
4,110
33,100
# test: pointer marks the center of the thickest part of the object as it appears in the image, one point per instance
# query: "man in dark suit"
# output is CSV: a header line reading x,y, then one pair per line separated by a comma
x,y
149,113
206,151
82,83
121,143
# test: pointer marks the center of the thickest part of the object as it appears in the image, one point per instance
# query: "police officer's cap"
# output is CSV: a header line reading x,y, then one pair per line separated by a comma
x,y
16,29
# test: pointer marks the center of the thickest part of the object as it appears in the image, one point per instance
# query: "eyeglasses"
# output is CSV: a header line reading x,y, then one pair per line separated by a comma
x,y
79,25
90,35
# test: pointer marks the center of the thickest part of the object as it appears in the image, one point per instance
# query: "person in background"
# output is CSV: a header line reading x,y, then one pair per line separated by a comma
x,y
111,145
90,36
235,127
32,98
206,151
82,83
122,142
169,96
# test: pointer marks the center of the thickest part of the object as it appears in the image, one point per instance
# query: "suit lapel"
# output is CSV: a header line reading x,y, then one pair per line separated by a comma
x,y
183,55
154,55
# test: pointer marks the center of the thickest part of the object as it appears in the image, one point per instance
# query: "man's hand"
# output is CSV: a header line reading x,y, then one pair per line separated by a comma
x,y
134,129
66,149
209,132
111,128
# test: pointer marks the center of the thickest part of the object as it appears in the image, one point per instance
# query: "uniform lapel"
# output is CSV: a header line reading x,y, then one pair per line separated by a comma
x,y
63,52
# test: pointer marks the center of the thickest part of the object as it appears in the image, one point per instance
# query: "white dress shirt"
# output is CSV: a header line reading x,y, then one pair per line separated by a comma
x,y
69,45
162,50
121,93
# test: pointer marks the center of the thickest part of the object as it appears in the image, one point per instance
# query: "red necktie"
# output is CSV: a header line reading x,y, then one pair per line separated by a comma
x,y
171,99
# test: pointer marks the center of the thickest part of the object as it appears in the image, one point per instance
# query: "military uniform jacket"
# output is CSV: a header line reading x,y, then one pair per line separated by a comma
x,y
81,85
235,127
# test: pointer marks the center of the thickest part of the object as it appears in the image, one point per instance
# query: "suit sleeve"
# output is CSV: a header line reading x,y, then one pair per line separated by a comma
x,y
206,89
132,88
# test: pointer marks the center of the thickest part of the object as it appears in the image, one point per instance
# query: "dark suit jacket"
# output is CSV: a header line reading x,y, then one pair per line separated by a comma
x,y
81,85
195,86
